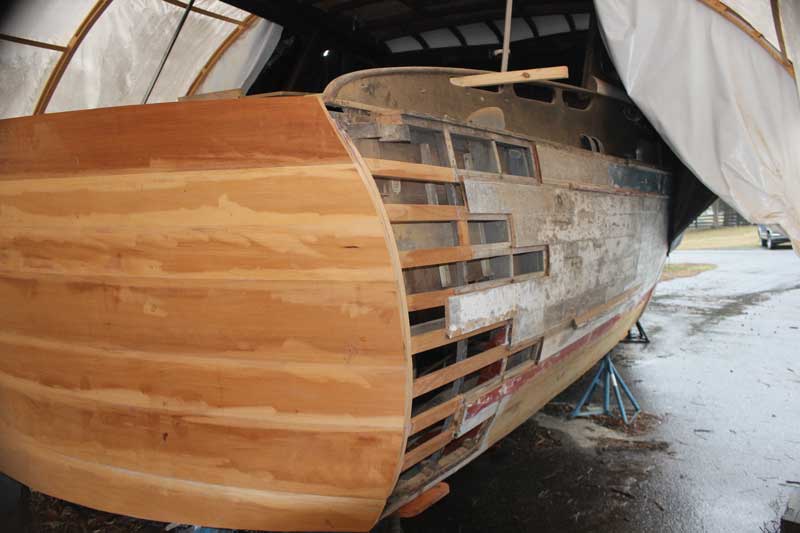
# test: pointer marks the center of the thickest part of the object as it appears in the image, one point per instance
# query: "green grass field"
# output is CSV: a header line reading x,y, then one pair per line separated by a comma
x,y
740,237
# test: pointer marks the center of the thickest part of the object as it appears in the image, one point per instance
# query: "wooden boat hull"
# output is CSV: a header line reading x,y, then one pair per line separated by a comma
x,y
208,315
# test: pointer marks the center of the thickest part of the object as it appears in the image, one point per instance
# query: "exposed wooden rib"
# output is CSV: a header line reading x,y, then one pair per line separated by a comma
x,y
215,57
736,19
463,232
514,76
451,373
482,251
427,448
426,300
424,501
434,256
410,171
435,414
66,55
594,312
201,11
31,42
425,212
438,337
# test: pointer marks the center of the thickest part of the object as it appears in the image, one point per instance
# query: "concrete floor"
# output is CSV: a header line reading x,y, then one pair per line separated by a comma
x,y
722,375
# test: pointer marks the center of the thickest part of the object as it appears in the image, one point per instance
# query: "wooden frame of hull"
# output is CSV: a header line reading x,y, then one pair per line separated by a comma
x,y
204,308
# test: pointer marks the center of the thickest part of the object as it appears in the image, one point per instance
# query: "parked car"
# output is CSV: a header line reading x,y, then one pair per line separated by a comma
x,y
771,235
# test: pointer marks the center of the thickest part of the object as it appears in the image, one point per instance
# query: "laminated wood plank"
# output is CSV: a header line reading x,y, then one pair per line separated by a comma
x,y
411,171
438,337
427,448
190,502
434,256
180,311
435,414
424,213
424,501
450,373
426,300
163,137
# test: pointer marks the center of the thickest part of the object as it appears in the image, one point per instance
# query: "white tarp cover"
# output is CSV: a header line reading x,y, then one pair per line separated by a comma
x,y
116,61
728,109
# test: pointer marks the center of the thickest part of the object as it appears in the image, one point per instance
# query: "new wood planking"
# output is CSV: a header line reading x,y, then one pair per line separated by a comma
x,y
199,294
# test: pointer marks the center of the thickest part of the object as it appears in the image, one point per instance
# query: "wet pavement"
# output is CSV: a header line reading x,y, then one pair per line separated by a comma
x,y
721,379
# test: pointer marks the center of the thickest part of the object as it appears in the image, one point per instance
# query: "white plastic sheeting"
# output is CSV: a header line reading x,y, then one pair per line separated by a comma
x,y
116,61
724,105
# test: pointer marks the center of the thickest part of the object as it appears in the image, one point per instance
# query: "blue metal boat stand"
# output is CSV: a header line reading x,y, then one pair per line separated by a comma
x,y
608,376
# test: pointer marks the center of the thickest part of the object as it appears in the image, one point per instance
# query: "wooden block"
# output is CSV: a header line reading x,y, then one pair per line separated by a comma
x,y
435,414
514,76
426,300
438,337
434,256
425,500
411,171
451,373
427,448
424,212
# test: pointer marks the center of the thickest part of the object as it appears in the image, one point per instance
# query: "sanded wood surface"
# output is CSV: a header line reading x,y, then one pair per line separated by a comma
x,y
427,448
199,303
452,372
425,213
436,414
411,171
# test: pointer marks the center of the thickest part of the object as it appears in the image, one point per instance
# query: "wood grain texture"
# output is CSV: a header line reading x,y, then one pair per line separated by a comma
x,y
435,414
514,76
199,304
427,448
411,171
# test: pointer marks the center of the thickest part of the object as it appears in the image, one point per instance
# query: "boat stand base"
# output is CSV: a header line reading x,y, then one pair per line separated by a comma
x,y
608,376
640,337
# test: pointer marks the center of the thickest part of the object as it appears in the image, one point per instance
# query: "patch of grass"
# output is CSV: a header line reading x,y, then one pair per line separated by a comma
x,y
740,237
685,270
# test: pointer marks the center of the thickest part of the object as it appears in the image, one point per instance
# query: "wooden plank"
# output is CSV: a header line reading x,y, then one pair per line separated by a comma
x,y
463,233
424,212
435,414
514,76
438,337
178,311
426,300
434,256
595,312
179,500
482,251
424,501
427,448
410,171
169,137
450,373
